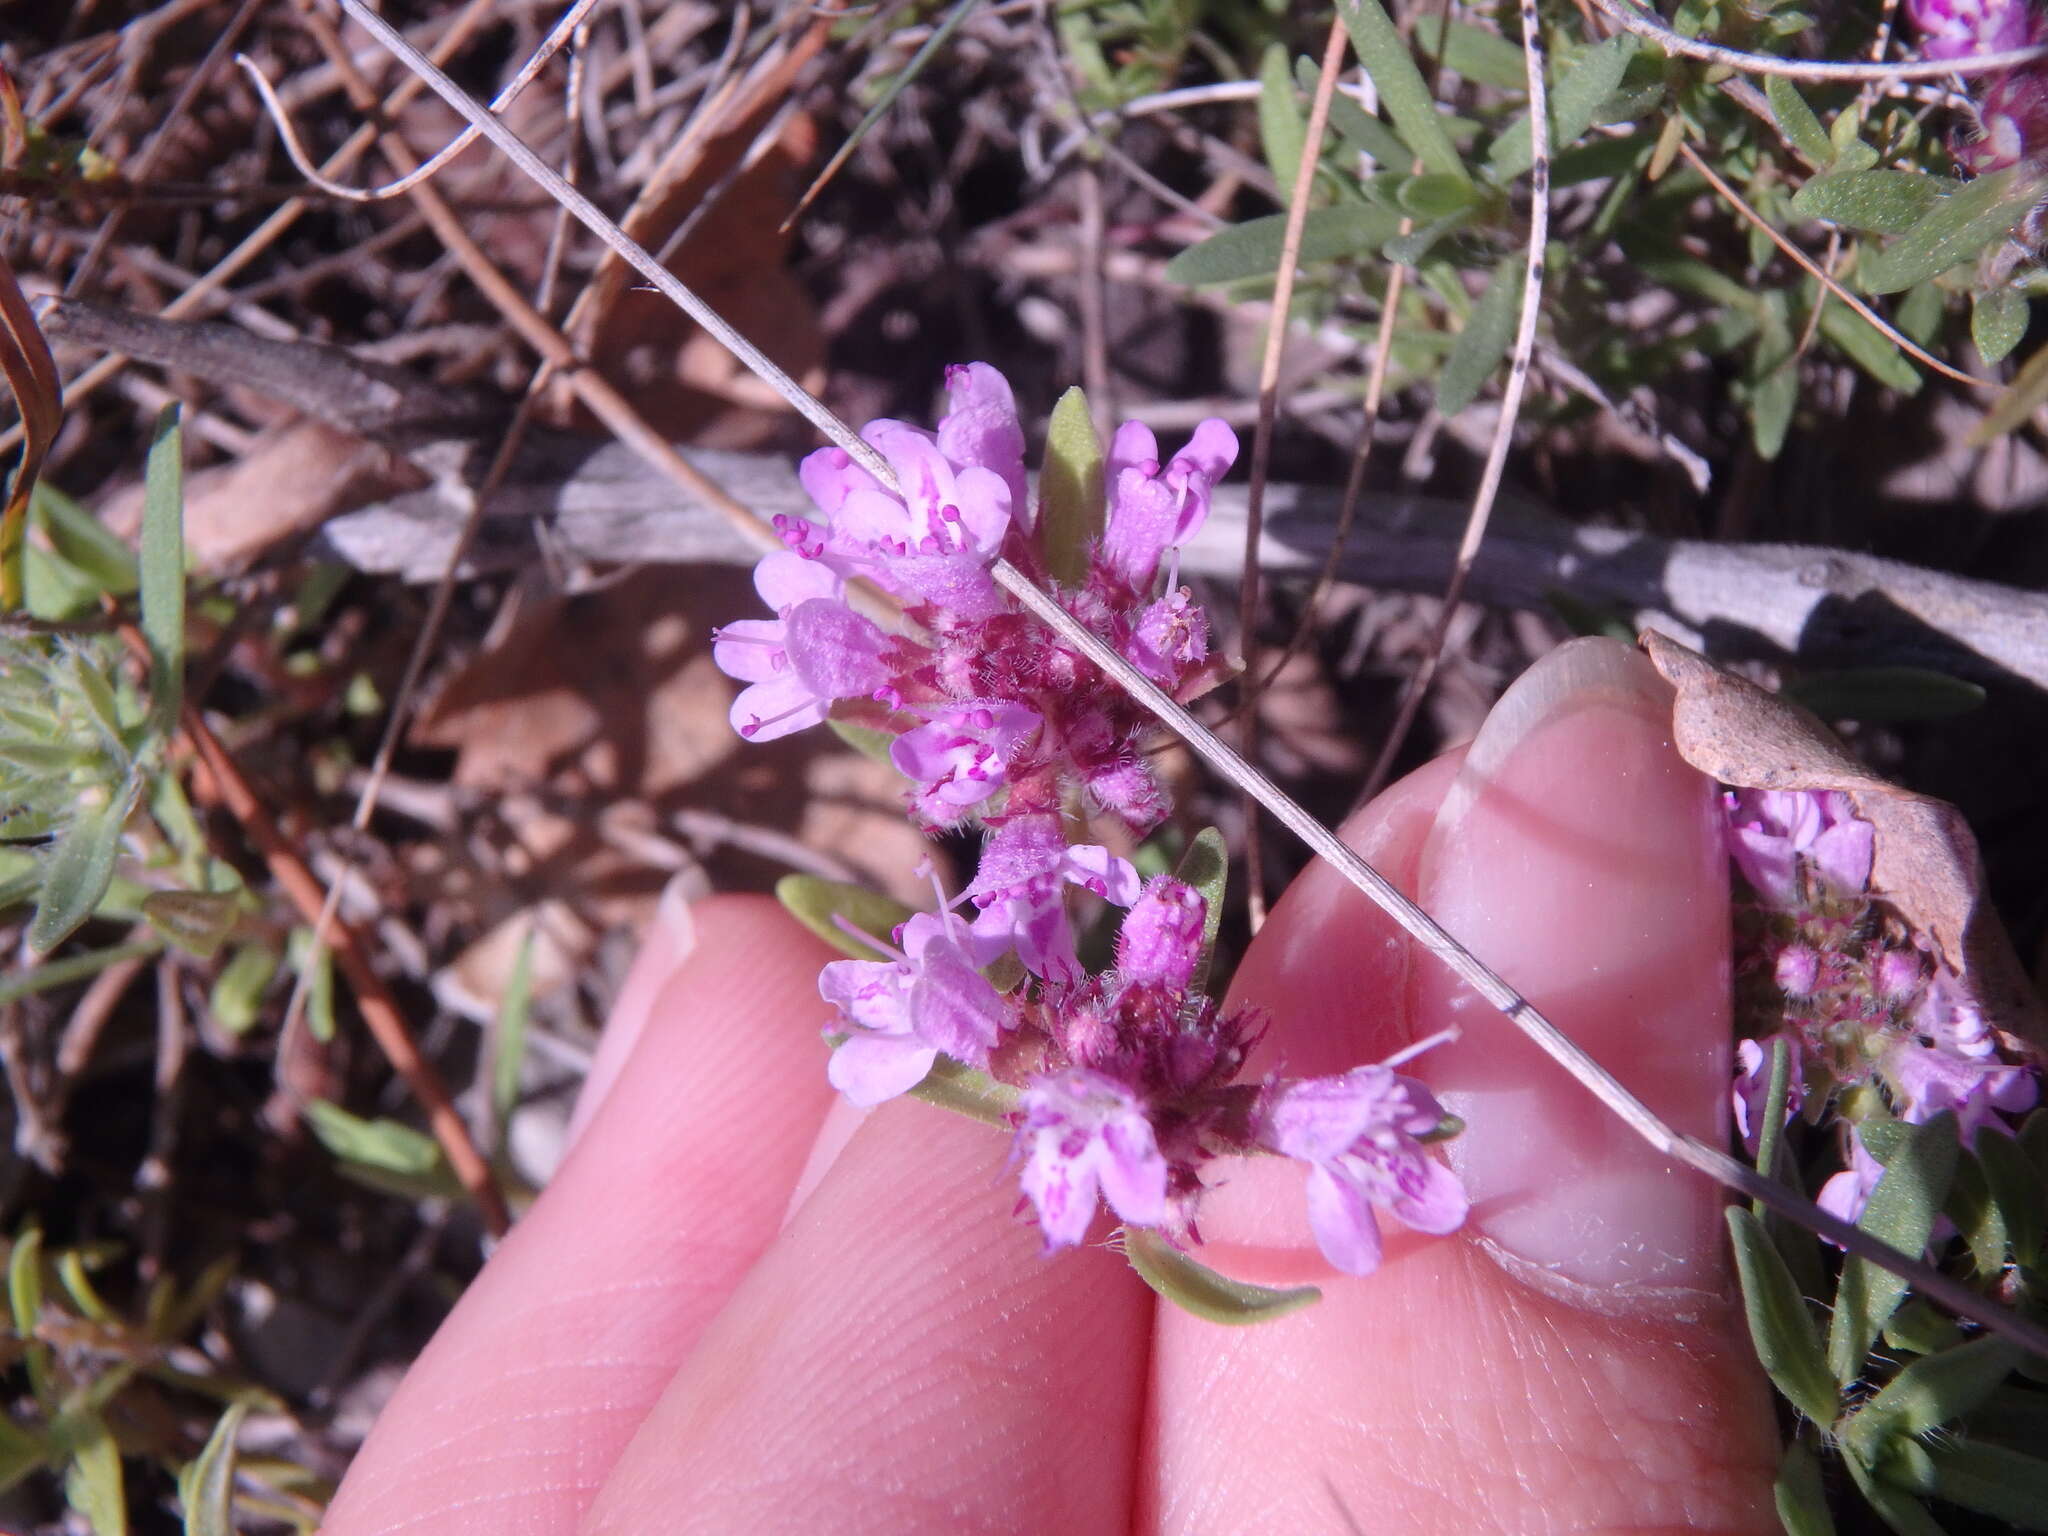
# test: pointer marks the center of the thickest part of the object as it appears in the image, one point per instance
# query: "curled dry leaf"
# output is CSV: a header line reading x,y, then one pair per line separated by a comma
x,y
31,373
1926,862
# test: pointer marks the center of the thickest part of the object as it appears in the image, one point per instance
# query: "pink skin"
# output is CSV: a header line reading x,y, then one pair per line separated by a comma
x,y
657,1348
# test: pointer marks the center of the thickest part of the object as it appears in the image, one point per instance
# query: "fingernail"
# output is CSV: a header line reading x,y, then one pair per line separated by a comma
x,y
670,937
1578,855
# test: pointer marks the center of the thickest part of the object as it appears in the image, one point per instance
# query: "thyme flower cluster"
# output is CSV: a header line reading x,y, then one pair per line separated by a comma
x,y
1127,1077
2011,106
1873,1026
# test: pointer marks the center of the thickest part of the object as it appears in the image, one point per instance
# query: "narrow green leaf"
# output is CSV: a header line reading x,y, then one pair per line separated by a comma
x,y
1918,1329
2005,1484
1402,91
1802,128
1771,404
1998,322
163,569
1901,1212
1869,348
236,999
1978,1221
1409,249
1884,201
816,903
1779,1324
966,1091
1206,867
1283,130
2016,1192
25,1307
1575,102
71,1272
1958,229
21,1454
1252,249
1899,1510
515,1010
1885,695
206,1484
1071,491
1485,339
1801,1497
1356,126
1194,1287
197,922
1934,1390
83,541
92,1483
77,872
2016,407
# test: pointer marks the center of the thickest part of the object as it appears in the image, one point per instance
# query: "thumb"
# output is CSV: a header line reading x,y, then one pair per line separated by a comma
x,y
1575,1361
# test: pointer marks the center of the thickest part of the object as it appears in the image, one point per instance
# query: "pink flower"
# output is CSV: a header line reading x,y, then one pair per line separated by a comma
x,y
1956,29
1928,1080
1153,509
1019,889
1084,1132
1358,1134
902,1013
1170,639
958,758
981,428
817,650
1846,1194
1160,943
1771,831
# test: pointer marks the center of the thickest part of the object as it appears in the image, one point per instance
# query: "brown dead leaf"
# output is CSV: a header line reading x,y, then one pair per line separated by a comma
x,y
294,479
39,395
1926,864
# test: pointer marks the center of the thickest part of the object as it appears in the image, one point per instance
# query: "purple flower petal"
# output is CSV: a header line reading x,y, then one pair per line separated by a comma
x,y
1084,1132
872,1069
1160,943
1341,1217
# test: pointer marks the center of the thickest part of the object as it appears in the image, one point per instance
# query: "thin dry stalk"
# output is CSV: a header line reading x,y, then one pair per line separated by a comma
x,y
1687,1150
1624,15
1248,595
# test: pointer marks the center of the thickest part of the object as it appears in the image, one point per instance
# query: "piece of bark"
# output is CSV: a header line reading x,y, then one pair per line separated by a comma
x,y
1926,863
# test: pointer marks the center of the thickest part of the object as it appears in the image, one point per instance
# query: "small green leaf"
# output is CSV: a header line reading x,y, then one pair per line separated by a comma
x,y
1385,55
206,1484
1887,202
1802,129
1485,339
1575,102
1480,55
1901,1213
816,903
77,872
1206,867
197,922
163,570
236,1000
1772,401
1779,1324
1194,1287
2016,1194
1252,249
1958,229
1932,1391
1283,131
1356,126
1071,491
970,1092
1919,1329
1998,322
515,1010
25,1307
1885,695
92,1482
21,1454
78,1286
1410,248
2005,1484
1801,1496
374,1143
